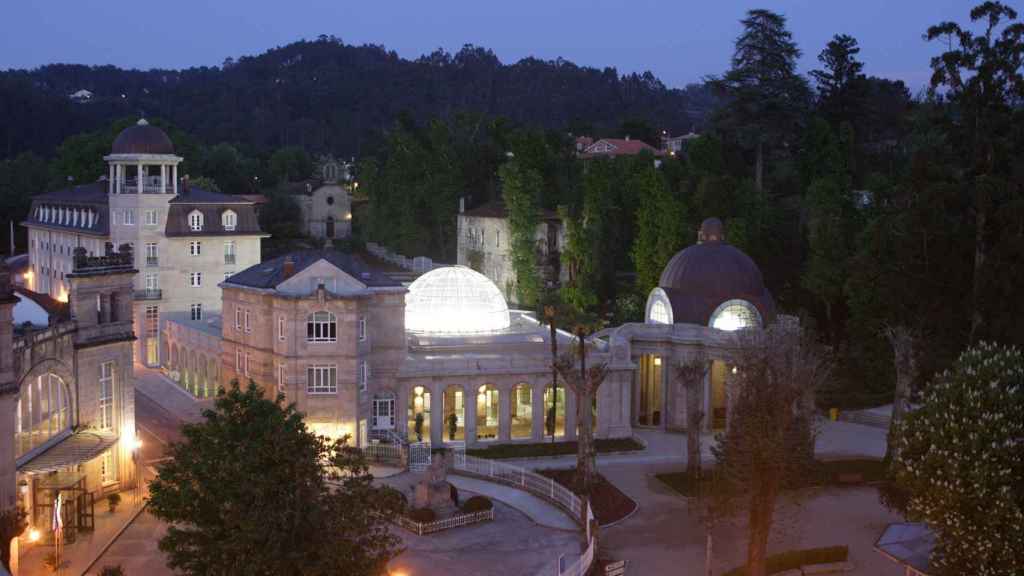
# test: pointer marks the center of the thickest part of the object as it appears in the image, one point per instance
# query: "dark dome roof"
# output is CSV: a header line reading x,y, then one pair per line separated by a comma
x,y
701,277
142,139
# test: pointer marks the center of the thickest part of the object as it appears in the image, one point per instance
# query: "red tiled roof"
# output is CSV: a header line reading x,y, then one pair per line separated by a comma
x,y
620,146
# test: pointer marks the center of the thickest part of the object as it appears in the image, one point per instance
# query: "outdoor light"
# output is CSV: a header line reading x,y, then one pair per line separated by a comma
x,y
734,370
455,300
418,402
418,390
657,360
33,535
482,388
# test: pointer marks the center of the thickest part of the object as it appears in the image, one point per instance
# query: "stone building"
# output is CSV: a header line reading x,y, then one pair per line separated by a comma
x,y
326,202
484,244
186,240
445,360
67,393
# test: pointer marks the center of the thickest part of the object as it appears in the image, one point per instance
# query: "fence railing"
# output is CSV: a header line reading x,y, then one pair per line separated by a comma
x,y
389,453
541,486
422,528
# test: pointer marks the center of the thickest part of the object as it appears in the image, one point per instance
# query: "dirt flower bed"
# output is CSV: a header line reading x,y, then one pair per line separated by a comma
x,y
609,503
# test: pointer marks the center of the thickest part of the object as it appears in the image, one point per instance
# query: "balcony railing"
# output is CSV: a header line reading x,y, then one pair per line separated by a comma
x,y
229,258
149,294
152,262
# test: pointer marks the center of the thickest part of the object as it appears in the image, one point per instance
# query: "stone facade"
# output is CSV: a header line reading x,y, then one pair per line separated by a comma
x,y
68,395
326,203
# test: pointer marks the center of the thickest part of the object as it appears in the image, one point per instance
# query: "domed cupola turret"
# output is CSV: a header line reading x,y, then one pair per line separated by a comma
x,y
711,283
142,161
142,138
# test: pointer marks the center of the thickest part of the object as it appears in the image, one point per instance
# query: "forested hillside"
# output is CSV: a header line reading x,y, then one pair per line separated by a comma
x,y
326,96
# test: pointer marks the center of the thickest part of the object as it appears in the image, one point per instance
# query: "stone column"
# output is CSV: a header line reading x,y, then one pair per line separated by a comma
x,y
504,414
139,176
570,414
174,178
163,178
539,410
469,414
113,180
436,414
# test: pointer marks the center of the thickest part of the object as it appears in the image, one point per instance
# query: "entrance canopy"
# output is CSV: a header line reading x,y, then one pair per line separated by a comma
x,y
76,449
909,544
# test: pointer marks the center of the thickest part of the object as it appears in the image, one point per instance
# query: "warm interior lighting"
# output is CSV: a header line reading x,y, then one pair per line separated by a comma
x,y
734,370
418,402
28,279
657,360
33,535
62,296
418,390
735,315
455,300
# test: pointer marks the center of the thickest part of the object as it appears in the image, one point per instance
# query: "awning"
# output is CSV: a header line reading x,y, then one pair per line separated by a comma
x,y
77,448
908,543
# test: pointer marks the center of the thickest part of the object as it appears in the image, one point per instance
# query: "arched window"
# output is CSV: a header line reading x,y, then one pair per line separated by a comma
x,y
521,411
659,313
43,412
321,327
229,219
195,220
734,315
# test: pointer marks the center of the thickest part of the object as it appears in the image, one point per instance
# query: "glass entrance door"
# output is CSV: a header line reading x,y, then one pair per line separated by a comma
x,y
649,391
383,413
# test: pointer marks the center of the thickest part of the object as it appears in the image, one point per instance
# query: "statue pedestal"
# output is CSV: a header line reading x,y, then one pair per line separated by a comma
x,y
433,490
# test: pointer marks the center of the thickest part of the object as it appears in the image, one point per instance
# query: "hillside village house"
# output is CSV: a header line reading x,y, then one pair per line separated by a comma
x,y
587,147
67,403
484,243
446,360
185,239
326,202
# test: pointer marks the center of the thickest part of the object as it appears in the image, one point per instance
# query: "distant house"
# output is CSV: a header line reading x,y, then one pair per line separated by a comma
x,y
81,96
484,244
673,145
610,147
326,202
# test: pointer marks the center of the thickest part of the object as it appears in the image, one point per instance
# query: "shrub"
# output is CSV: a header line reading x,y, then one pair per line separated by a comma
x,y
112,571
422,515
477,504
794,559
454,494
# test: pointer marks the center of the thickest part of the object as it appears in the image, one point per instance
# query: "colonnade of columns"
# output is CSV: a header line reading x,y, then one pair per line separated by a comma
x,y
119,174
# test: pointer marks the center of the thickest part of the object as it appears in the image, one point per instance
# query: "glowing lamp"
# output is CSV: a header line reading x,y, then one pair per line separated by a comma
x,y
418,402
34,535
418,391
657,360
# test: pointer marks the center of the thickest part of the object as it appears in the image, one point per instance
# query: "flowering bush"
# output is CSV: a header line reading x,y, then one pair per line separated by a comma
x,y
960,457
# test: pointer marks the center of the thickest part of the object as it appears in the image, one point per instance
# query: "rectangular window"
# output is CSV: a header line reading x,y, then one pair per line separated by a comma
x,y
106,416
229,252
362,328
151,218
108,468
281,378
322,379
246,366
152,282
129,217
195,248
280,328
195,279
238,360
197,311
152,320
248,324
321,327
364,375
152,256
238,319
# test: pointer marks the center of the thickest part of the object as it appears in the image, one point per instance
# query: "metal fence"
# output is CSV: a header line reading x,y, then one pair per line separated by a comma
x,y
540,486
385,453
422,528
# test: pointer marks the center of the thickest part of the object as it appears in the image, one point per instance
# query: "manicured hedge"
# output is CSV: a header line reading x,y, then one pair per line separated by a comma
x,y
794,559
504,451
422,515
477,504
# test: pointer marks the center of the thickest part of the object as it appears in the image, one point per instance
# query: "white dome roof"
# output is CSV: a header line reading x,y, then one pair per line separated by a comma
x,y
455,300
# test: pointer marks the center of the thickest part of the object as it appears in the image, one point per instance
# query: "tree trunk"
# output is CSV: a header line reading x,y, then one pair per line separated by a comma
x,y
707,550
586,462
980,221
759,168
554,372
905,362
762,508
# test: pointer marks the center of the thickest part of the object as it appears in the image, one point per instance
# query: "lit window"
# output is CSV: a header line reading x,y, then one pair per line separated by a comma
x,y
321,327
197,312
734,315
108,468
195,248
195,220
195,279
362,328
150,218
152,320
659,313
322,379
106,416
229,219
34,424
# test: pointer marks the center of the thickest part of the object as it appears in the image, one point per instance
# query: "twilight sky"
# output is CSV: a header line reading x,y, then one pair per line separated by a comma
x,y
679,40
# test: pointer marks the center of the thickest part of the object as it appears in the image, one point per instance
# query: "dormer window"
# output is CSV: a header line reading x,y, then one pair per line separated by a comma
x,y
195,220
229,219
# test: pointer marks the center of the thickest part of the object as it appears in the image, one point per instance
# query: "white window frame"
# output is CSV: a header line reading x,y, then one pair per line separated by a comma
x,y
195,248
362,328
248,321
238,318
238,361
129,217
106,396
282,333
320,330
151,218
246,366
196,311
195,220
322,379
195,279
229,219
281,377
152,281
364,375
230,250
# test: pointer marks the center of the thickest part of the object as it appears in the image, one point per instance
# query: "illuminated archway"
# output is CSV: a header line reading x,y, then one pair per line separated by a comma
x,y
454,410
520,410
487,412
44,411
418,414
736,314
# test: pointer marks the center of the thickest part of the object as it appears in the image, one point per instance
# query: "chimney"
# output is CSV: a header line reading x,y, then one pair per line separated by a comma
x,y
289,267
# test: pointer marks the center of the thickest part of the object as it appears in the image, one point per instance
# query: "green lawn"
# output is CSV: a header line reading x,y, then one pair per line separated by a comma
x,y
506,451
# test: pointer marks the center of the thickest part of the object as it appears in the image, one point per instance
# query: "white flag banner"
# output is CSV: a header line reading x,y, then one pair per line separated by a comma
x,y
58,521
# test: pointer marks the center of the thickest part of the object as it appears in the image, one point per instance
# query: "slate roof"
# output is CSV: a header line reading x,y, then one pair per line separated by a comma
x,y
93,195
497,209
212,205
55,308
270,274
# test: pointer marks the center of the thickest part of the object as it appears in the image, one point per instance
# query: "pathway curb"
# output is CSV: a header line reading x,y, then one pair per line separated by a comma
x,y
114,538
